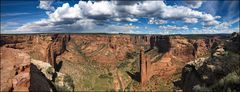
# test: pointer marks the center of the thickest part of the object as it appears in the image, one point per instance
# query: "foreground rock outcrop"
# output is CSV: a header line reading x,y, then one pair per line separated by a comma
x,y
15,68
218,72
54,81
233,44
39,82
21,73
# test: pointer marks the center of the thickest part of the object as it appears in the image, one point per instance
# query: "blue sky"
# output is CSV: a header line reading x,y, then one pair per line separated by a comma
x,y
135,17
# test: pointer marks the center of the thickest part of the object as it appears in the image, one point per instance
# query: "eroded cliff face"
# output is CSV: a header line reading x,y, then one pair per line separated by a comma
x,y
15,67
105,48
165,53
17,53
185,50
21,72
112,48
56,47
35,45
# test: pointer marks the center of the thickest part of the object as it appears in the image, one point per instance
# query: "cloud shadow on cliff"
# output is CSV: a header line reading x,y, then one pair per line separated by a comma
x,y
58,66
162,43
135,76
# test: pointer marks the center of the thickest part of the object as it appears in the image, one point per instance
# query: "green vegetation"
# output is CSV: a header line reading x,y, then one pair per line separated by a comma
x,y
123,65
131,64
77,48
62,89
69,80
89,75
131,55
50,70
177,75
104,76
228,83
96,76
226,77
67,86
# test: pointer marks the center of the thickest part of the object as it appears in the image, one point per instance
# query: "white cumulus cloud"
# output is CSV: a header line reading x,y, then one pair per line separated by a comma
x,y
46,5
88,15
173,27
190,20
156,21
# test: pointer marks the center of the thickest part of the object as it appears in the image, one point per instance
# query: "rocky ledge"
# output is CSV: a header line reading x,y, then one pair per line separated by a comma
x,y
21,73
219,72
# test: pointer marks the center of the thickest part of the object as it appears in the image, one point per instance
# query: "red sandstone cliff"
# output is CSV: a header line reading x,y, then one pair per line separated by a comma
x,y
56,47
106,49
15,68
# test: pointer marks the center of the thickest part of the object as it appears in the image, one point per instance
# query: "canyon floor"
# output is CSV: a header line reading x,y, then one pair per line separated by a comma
x,y
113,62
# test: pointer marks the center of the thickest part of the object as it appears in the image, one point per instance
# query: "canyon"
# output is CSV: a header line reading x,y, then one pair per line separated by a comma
x,y
118,62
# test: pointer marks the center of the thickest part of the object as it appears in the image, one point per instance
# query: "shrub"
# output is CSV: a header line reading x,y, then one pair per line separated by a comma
x,y
123,64
129,55
103,76
50,70
68,80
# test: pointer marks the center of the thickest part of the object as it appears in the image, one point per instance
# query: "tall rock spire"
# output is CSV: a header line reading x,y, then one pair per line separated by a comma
x,y
144,68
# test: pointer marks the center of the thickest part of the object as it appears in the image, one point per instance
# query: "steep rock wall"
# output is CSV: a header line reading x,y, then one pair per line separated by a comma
x,y
15,68
56,47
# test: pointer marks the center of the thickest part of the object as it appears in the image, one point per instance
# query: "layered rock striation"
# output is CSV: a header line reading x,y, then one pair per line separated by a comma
x,y
15,68
160,54
56,47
